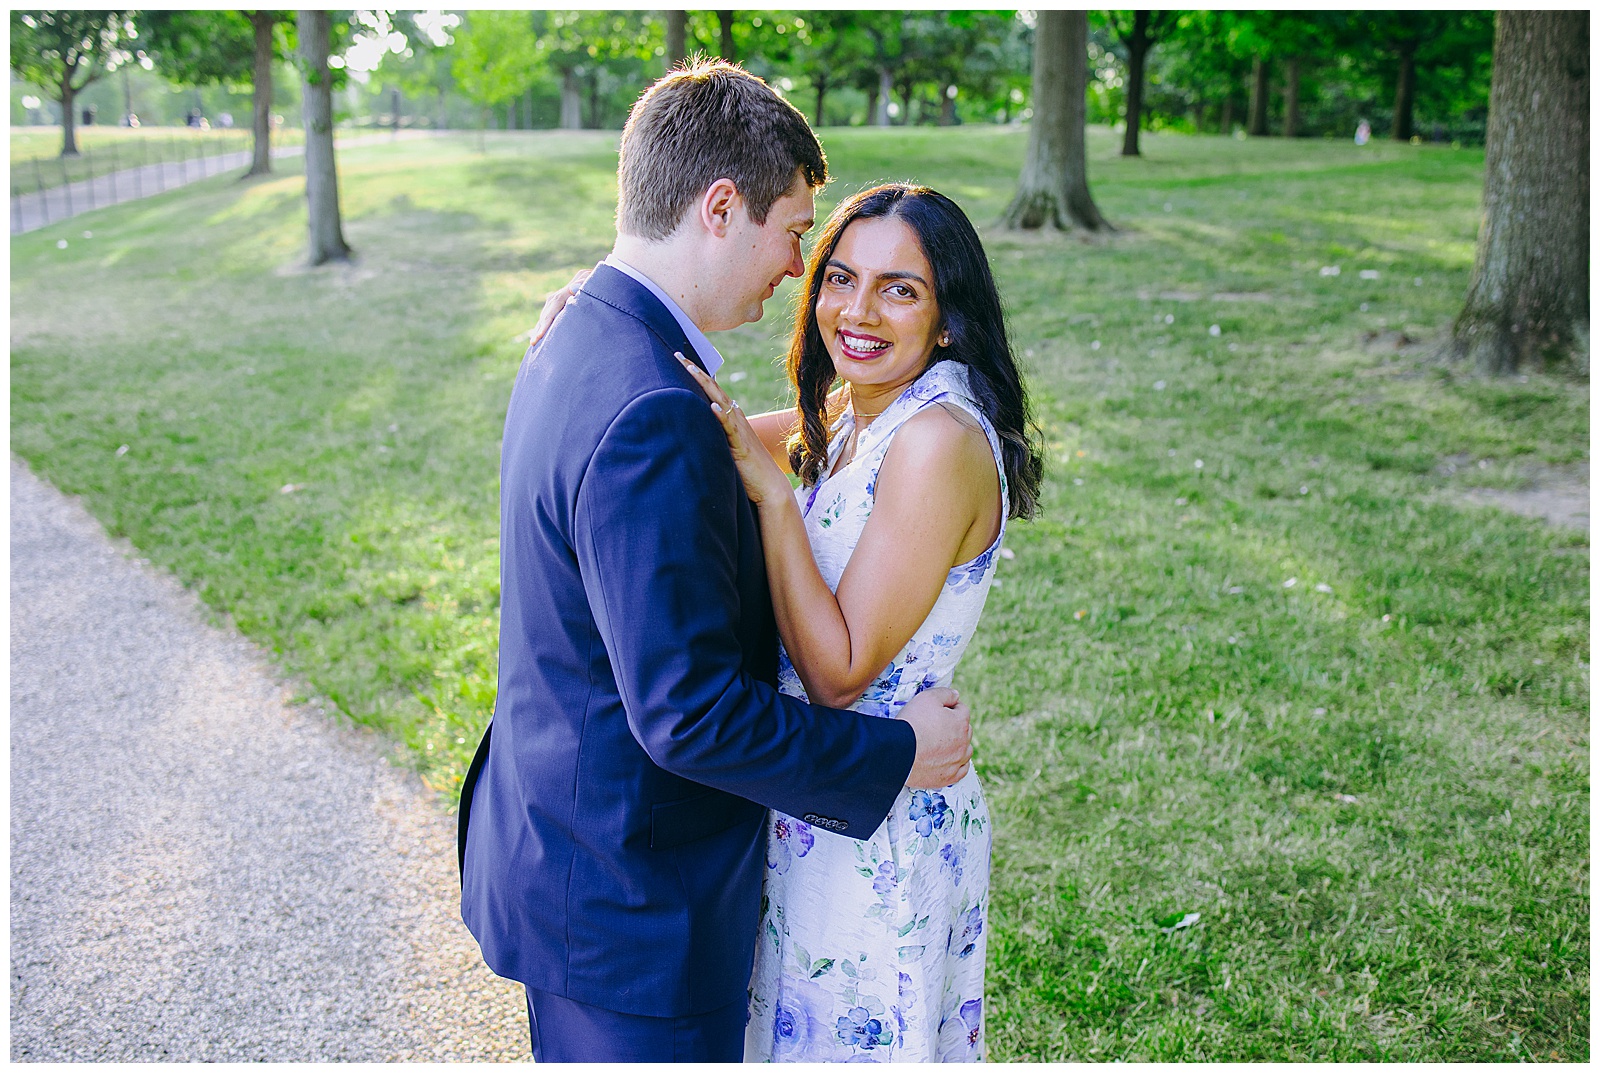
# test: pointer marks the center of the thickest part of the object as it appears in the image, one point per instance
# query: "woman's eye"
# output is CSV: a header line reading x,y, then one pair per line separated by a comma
x,y
838,279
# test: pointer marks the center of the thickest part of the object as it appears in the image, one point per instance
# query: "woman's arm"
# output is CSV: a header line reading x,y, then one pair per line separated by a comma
x,y
937,504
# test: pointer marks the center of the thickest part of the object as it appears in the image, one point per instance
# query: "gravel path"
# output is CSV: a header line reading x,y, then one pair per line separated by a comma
x,y
200,869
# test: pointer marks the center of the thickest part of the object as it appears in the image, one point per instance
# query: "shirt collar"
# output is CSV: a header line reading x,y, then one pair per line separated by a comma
x,y
697,338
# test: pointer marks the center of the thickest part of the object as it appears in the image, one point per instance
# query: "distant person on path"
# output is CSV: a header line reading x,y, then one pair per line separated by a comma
x,y
614,818
1363,132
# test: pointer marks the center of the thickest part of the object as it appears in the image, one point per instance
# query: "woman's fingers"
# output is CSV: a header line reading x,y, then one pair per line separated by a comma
x,y
712,389
555,302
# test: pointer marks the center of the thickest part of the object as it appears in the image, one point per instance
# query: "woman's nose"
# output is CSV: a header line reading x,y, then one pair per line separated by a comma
x,y
860,308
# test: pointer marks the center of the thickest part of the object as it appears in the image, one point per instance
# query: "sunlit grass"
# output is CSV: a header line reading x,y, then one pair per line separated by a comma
x,y
1371,785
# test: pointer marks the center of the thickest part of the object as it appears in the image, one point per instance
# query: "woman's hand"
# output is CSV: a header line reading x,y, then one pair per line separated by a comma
x,y
555,303
763,480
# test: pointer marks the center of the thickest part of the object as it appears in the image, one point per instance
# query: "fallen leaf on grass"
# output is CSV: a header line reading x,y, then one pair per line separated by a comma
x,y
290,489
1177,922
1346,798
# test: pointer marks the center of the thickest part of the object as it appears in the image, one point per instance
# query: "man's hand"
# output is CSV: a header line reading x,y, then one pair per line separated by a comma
x,y
944,738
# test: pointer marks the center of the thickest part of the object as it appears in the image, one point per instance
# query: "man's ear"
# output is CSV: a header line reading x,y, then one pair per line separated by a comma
x,y
717,205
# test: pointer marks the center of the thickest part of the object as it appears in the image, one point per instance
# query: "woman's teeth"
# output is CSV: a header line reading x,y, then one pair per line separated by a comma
x,y
863,346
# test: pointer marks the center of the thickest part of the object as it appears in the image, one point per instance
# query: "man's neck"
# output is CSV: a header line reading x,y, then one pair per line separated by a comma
x,y
673,268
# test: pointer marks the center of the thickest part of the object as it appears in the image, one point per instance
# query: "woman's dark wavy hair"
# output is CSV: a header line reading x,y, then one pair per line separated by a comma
x,y
970,307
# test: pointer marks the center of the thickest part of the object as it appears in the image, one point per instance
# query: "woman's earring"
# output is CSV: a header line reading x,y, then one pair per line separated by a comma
x,y
944,340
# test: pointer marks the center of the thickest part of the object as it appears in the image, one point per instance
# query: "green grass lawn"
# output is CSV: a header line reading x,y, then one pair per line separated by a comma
x,y
36,162
1257,666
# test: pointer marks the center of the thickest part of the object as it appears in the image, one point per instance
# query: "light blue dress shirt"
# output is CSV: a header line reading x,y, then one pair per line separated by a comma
x,y
697,338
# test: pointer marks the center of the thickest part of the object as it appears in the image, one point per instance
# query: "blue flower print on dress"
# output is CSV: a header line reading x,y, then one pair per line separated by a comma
x,y
929,812
969,575
972,1018
954,855
802,1024
791,839
859,1028
907,997
962,943
919,652
885,883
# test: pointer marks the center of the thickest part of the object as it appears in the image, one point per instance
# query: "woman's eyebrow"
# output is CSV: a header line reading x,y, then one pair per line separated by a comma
x,y
834,262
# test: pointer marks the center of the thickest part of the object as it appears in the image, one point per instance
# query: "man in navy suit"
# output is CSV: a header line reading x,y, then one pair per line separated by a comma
x,y
613,819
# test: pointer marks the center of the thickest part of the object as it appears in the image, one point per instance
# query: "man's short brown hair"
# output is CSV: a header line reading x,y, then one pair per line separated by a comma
x,y
707,121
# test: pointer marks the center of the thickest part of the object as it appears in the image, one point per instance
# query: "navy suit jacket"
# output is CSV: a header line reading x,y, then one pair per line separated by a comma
x,y
613,835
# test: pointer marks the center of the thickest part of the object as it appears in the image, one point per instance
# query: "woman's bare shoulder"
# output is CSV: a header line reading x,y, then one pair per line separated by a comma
x,y
941,439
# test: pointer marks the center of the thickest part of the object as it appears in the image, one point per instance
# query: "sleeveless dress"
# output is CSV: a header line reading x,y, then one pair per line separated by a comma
x,y
874,950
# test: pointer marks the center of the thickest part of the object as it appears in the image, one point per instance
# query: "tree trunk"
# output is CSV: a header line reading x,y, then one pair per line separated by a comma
x,y
872,106
322,180
592,84
69,118
1528,303
905,104
1138,45
1225,121
1291,97
571,102
725,22
1258,98
261,94
677,37
1054,188
884,95
947,109
1405,93
822,92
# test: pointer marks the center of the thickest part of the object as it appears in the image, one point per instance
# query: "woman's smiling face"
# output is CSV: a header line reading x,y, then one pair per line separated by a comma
x,y
876,309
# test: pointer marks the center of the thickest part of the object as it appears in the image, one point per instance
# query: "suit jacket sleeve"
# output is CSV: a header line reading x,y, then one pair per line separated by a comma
x,y
655,533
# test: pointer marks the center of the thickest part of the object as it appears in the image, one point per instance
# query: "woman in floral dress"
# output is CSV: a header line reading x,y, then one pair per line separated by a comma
x,y
879,566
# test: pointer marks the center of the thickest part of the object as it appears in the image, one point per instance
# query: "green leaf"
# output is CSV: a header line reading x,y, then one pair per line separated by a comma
x,y
821,967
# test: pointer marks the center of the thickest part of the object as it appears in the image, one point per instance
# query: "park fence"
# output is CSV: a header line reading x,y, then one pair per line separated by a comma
x,y
47,189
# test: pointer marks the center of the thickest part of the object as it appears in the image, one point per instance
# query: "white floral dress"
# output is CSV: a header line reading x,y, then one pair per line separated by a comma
x,y
874,951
